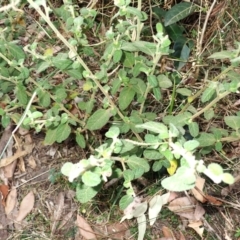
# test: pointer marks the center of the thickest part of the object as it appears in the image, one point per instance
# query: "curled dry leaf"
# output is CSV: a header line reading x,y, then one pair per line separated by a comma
x,y
85,229
6,161
197,191
167,232
26,206
11,201
197,226
4,192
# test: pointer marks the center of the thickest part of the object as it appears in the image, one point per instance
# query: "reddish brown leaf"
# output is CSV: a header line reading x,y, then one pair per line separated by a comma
x,y
85,229
4,191
26,206
167,233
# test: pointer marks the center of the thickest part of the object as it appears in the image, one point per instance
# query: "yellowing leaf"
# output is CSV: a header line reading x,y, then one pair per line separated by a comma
x,y
87,86
172,169
48,52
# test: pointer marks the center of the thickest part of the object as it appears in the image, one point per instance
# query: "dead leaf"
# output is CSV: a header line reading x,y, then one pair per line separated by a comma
x,y
10,169
197,191
65,219
199,212
4,192
213,200
84,228
57,211
7,134
183,206
173,195
197,226
31,162
167,232
182,236
11,201
26,206
6,161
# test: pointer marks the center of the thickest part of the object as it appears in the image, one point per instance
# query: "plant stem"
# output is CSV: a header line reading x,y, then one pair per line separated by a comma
x,y
219,97
73,50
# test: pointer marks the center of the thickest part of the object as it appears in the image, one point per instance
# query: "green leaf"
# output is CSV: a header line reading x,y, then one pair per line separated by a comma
x,y
155,127
228,178
67,168
179,120
61,94
157,165
193,129
5,120
164,81
135,162
178,12
126,96
152,154
129,60
184,91
209,114
145,47
113,132
98,119
117,56
44,98
62,132
85,193
125,201
152,80
233,122
218,146
184,179
80,140
16,51
191,145
206,139
61,62
208,93
21,94
91,179
223,55
51,136
157,93
215,169
116,83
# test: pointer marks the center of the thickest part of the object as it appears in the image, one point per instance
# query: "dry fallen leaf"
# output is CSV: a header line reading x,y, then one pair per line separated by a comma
x,y
167,232
183,206
84,228
58,209
7,134
182,236
197,226
65,219
26,206
11,201
6,161
10,169
4,192
197,191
